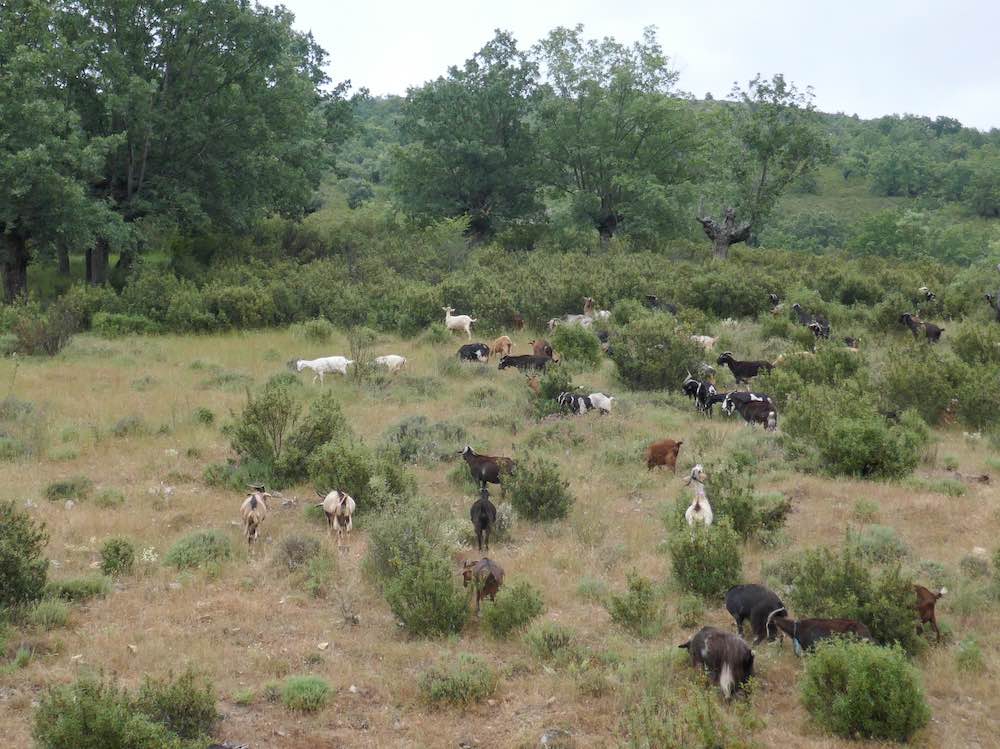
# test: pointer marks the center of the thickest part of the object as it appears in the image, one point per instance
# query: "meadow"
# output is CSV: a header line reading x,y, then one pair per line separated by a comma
x,y
129,414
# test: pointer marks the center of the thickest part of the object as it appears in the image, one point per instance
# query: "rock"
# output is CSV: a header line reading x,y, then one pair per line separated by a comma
x,y
557,738
77,657
29,505
323,645
491,703
171,452
174,586
353,689
551,701
70,504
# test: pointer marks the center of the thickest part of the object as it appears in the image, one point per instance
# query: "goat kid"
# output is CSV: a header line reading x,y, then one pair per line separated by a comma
x,y
502,346
392,362
663,453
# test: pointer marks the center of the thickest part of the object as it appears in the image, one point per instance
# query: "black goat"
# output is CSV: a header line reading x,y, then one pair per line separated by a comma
x,y
486,468
759,605
727,659
484,517
732,401
743,371
852,342
525,361
474,352
915,324
818,324
758,412
653,302
994,301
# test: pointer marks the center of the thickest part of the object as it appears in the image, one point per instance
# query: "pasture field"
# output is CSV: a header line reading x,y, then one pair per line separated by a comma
x,y
121,413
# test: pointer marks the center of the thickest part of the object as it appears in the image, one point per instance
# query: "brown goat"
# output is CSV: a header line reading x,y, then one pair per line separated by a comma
x,y
501,346
487,577
534,385
663,453
925,608
807,632
541,347
518,322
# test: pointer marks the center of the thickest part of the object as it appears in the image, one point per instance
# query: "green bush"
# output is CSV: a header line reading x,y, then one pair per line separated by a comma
x,y
37,333
974,566
706,561
116,325
651,355
427,599
690,611
628,310
554,381
536,490
185,705
23,569
577,347
877,543
976,344
305,694
401,540
922,378
463,682
635,610
77,487
969,656
416,440
550,641
856,689
979,400
199,549
49,613
514,609
108,498
261,431
117,556
315,331
204,416
78,589
376,481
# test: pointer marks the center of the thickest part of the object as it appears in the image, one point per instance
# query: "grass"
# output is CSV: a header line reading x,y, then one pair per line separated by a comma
x,y
306,694
250,625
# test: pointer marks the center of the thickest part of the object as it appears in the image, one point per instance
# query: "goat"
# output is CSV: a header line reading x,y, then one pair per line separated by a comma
x,y
474,352
663,453
818,324
759,605
501,346
705,341
324,365
737,398
690,386
743,371
925,608
517,321
915,324
588,307
578,404
541,347
653,302
486,468
776,305
487,577
392,362
253,511
483,514
601,402
929,295
994,301
758,412
805,633
700,510
727,659
339,509
534,385
458,322
852,343
525,361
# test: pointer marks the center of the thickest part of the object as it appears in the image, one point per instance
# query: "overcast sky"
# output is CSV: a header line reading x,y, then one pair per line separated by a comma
x,y
873,58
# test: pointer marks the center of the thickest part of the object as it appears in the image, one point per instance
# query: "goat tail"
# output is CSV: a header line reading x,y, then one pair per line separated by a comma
x,y
726,680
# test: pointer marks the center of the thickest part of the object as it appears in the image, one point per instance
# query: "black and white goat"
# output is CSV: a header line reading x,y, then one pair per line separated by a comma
x,y
734,401
818,324
577,404
726,657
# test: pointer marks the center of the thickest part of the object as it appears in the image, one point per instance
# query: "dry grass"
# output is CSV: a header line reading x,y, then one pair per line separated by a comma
x,y
247,625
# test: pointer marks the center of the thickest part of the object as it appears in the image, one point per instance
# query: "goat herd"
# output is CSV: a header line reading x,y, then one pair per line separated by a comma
x,y
726,657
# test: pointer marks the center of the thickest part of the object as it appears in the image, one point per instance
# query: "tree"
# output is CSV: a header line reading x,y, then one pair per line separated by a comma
x,y
46,158
215,108
468,149
768,138
982,194
613,134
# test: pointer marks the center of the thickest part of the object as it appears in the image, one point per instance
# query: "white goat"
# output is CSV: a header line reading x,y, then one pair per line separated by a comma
x,y
458,322
339,508
705,341
392,362
601,402
253,511
603,315
324,365
700,510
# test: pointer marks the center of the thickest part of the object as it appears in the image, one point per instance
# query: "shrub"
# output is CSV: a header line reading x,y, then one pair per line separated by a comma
x,y
514,608
416,440
117,556
536,490
79,589
554,381
922,378
375,481
706,561
49,613
651,355
636,609
878,543
628,310
730,487
306,694
318,330
856,689
260,432
550,641
969,656
185,705
427,599
979,400
323,421
974,566
199,549
78,488
865,510
108,498
577,346
401,540
23,569
296,551
116,325
38,333
204,416
690,611
975,343
463,682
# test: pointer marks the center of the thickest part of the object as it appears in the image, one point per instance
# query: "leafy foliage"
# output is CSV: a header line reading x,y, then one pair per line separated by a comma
x,y
23,568
536,490
305,694
706,561
467,680
199,549
651,355
426,598
117,556
635,610
514,609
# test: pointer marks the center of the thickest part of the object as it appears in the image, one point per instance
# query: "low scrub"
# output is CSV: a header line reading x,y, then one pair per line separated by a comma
x,y
550,641
577,347
652,355
878,543
49,613
706,561
23,568
856,689
199,549
536,490
319,330
117,557
79,589
636,609
399,541
185,705
427,599
466,680
416,439
76,487
306,694
515,607
295,551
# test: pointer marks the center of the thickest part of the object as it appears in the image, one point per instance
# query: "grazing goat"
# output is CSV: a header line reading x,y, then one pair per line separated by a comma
x,y
578,404
705,341
588,307
776,306
852,343
925,608
653,302
700,391
484,517
807,632
736,399
517,321
474,352
392,362
458,322
818,324
253,511
994,301
525,361
602,402
324,365
501,346
758,412
743,371
915,324
663,453
727,659
690,386
759,605
541,347
486,468
700,510
339,509
929,295
487,577
534,385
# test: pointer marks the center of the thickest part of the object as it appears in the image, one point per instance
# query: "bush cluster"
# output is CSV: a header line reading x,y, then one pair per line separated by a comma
x,y
23,568
416,439
199,549
427,599
706,561
635,610
536,490
305,694
516,606
577,347
466,680
652,355
117,556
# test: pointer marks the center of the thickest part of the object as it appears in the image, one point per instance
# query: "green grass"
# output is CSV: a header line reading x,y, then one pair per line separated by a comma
x,y
305,694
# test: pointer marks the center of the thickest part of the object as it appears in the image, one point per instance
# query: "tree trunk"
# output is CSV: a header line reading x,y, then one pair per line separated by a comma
x,y
15,268
99,262
88,265
720,246
64,262
726,234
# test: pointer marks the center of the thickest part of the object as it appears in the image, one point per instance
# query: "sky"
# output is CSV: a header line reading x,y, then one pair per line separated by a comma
x,y
870,58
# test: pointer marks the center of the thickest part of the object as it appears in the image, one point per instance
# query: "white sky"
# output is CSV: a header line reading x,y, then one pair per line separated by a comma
x,y
873,58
